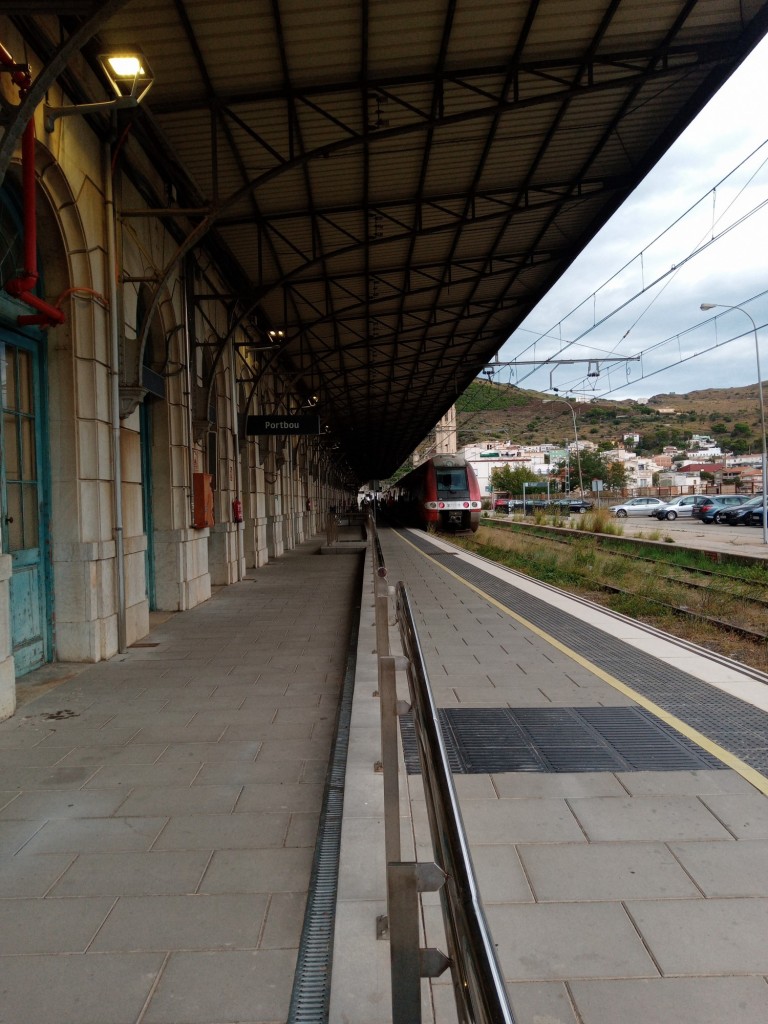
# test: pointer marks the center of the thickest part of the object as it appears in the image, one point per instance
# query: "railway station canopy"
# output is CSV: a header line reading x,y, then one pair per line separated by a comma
x,y
389,187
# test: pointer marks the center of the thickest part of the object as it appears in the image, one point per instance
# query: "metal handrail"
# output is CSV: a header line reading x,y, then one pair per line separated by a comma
x,y
478,982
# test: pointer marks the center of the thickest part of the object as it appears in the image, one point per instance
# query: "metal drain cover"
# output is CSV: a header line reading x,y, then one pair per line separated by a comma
x,y
593,739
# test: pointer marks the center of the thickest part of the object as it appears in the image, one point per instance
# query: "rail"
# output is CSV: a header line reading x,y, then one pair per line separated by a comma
x,y
478,983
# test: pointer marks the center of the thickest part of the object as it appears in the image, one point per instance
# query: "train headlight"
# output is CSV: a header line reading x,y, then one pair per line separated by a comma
x,y
441,504
466,504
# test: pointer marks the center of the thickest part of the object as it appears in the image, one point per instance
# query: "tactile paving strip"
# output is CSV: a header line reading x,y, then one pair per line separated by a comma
x,y
732,723
593,739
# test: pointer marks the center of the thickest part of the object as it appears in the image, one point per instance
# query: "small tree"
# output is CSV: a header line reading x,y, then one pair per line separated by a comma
x,y
616,475
504,478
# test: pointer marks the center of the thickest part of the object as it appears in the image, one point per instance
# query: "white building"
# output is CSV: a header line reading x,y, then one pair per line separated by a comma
x,y
485,456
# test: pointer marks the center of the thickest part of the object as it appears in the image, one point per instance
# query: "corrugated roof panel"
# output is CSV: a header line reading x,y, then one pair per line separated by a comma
x,y
415,190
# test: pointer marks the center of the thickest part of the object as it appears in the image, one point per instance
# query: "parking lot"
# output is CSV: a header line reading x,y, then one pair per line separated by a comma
x,y
693,533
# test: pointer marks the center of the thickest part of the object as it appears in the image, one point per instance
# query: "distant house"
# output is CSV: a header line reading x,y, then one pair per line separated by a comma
x,y
700,467
682,481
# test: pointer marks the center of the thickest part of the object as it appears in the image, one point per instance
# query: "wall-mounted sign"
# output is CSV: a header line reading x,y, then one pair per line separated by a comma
x,y
281,423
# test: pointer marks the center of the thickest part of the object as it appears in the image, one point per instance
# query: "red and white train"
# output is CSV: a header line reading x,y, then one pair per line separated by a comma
x,y
441,493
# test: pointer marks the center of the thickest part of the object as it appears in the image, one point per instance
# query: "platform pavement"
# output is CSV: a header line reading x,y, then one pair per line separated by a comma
x,y
631,896
158,811
156,833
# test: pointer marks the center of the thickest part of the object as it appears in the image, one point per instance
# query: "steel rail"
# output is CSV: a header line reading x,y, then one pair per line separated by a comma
x,y
681,611
478,982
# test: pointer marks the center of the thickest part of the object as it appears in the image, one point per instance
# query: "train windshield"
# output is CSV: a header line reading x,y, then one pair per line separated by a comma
x,y
452,483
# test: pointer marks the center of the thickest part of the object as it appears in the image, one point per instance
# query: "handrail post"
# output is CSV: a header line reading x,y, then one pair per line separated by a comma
x,y
390,757
405,880
478,981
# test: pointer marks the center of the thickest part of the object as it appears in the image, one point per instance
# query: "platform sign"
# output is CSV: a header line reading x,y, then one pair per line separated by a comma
x,y
281,424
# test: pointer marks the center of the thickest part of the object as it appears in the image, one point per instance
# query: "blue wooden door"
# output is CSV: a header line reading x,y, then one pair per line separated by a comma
x,y
23,521
145,435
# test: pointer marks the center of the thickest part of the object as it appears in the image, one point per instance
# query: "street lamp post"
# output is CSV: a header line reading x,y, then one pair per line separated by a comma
x,y
548,401
720,305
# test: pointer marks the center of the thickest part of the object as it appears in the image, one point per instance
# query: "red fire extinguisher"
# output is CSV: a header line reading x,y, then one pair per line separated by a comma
x,y
237,511
309,504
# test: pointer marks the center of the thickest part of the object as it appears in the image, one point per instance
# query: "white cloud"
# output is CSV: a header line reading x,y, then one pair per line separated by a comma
x,y
635,249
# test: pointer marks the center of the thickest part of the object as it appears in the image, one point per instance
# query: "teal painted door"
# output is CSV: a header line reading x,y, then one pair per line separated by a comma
x,y
23,532
145,433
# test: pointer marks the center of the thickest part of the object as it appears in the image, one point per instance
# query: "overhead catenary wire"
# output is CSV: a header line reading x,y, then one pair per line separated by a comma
x,y
710,238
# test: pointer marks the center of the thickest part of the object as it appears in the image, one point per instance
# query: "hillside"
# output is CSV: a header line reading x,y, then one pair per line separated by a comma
x,y
490,411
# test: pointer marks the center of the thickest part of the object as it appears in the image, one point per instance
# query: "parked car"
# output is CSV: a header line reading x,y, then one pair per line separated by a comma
x,y
740,514
717,512
682,506
577,505
755,515
722,500
637,507
506,505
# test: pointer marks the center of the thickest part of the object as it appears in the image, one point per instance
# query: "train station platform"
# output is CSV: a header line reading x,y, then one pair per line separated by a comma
x,y
159,811
612,783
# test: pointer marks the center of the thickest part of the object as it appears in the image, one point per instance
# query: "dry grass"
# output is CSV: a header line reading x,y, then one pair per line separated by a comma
x,y
581,568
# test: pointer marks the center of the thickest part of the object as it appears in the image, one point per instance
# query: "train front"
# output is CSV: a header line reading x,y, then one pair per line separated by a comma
x,y
454,503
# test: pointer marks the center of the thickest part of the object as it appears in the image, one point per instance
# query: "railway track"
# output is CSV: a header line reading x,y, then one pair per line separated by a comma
x,y
709,583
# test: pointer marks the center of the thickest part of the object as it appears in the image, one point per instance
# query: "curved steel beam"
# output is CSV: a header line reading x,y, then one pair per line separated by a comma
x,y
385,134
47,77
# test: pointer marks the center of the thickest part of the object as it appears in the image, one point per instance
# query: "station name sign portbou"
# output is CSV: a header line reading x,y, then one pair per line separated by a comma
x,y
281,424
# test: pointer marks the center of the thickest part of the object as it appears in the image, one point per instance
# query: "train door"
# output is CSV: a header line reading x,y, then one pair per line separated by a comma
x,y
22,499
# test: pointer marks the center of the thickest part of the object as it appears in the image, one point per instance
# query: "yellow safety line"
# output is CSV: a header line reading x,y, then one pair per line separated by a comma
x,y
746,771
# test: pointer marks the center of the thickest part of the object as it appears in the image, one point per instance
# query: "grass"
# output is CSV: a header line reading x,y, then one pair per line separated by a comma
x,y
583,566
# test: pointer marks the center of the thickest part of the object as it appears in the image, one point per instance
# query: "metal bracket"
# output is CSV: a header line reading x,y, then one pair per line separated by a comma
x,y
433,962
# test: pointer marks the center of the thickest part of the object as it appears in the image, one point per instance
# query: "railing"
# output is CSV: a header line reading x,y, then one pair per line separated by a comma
x,y
478,983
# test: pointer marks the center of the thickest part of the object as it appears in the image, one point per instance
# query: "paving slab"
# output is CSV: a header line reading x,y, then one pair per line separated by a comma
x,y
161,922
726,869
33,875
575,872
50,925
520,821
646,818
682,1000
132,874
268,871
564,941
699,937
235,987
97,988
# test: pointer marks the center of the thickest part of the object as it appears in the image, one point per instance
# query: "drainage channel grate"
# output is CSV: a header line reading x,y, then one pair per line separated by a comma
x,y
310,997
594,739
732,723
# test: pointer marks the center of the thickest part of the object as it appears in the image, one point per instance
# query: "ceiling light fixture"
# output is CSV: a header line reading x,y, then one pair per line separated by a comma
x,y
130,77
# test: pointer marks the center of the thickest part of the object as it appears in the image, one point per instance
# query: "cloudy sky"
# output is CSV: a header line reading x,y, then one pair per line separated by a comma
x,y
709,193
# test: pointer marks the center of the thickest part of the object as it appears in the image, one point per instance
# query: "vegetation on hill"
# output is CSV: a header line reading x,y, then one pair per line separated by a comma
x,y
488,411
